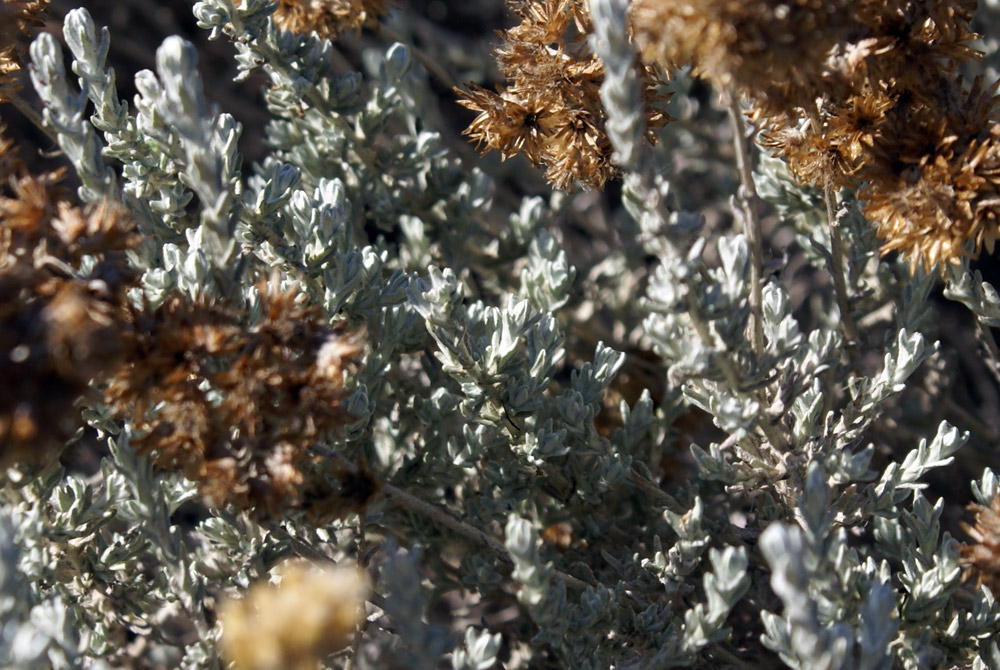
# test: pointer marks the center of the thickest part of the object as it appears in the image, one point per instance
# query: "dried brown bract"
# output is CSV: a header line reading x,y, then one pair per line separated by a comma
x,y
329,18
58,325
235,406
982,558
550,111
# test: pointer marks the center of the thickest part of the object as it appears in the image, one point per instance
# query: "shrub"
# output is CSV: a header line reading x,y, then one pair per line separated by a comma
x,y
722,413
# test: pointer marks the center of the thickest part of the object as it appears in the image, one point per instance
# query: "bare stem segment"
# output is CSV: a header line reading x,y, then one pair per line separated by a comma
x,y
751,222
847,325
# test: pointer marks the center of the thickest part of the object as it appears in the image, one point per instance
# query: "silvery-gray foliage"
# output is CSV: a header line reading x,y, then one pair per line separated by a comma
x,y
801,540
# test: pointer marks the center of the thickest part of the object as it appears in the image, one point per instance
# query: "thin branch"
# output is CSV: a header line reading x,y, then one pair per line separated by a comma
x,y
434,67
446,518
989,346
450,520
654,491
774,434
974,424
32,115
751,222
847,325
359,630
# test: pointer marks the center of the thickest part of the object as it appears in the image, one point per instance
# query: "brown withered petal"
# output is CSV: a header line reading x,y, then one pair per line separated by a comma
x,y
31,206
813,157
935,33
542,21
880,106
577,150
932,181
854,124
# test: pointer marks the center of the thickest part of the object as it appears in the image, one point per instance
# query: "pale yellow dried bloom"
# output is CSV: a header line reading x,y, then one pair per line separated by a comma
x,y
293,624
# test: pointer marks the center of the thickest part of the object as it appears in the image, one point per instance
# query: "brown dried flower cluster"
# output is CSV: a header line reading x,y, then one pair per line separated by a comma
x,y
234,406
58,325
311,613
329,18
17,18
231,405
773,49
856,94
551,112
982,558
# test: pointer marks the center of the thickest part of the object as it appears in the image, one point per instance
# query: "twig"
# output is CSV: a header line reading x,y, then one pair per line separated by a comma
x,y
971,422
32,115
751,222
847,325
359,631
989,345
732,658
446,518
655,491
449,520
434,67
777,437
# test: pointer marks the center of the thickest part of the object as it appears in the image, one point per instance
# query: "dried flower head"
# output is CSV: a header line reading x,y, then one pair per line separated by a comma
x,y
310,613
329,18
855,94
17,18
59,325
831,150
910,38
934,191
236,406
774,50
982,558
550,111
